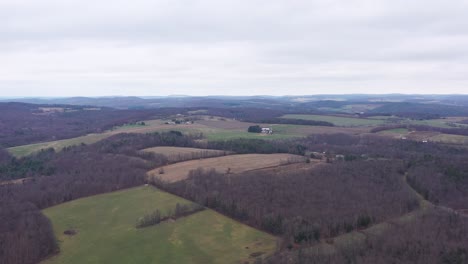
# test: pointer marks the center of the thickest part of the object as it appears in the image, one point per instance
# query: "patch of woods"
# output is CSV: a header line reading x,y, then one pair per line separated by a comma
x,y
437,237
202,154
180,210
245,146
461,131
438,172
304,207
291,121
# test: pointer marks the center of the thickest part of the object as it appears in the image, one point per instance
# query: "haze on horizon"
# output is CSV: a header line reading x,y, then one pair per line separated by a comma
x,y
153,48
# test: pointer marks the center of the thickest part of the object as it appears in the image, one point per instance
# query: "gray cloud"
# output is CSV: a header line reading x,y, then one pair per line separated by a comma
x,y
145,47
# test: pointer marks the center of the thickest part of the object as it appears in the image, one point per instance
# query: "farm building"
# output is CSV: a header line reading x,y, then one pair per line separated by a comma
x,y
267,130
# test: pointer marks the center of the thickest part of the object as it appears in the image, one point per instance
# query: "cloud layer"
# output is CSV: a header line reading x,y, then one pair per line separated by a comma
x,y
143,47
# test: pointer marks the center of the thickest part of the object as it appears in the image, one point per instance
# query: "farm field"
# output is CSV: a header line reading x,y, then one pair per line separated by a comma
x,y
212,129
450,139
395,131
236,164
339,120
106,233
179,153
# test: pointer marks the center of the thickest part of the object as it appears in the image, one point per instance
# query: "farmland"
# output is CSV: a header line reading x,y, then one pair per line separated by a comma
x,y
233,164
106,233
212,129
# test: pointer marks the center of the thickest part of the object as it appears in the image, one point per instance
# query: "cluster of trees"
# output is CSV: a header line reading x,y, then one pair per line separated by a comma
x,y
420,110
202,154
29,166
243,146
180,210
254,129
304,206
290,121
248,114
435,238
452,131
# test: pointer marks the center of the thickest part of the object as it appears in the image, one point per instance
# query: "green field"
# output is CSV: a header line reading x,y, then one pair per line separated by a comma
x,y
227,135
339,120
396,131
106,233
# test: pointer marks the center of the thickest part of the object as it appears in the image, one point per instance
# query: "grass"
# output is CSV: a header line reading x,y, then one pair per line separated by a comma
x,y
106,232
339,120
396,131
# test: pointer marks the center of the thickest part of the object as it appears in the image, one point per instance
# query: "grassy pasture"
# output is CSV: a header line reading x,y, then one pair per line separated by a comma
x,y
339,120
395,131
236,163
106,232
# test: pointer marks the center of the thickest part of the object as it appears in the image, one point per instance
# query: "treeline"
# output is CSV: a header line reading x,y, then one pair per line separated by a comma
x,y
452,131
112,164
202,154
290,121
247,114
408,115
422,109
304,206
437,237
244,146
180,210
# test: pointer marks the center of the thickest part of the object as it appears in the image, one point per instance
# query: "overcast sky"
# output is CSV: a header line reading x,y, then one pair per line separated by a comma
x,y
218,47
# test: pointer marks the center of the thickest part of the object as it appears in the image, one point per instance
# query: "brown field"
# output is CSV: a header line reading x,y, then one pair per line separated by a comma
x,y
283,170
236,164
175,154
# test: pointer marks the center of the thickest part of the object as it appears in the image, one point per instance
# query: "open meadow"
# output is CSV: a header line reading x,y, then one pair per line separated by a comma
x,y
106,233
